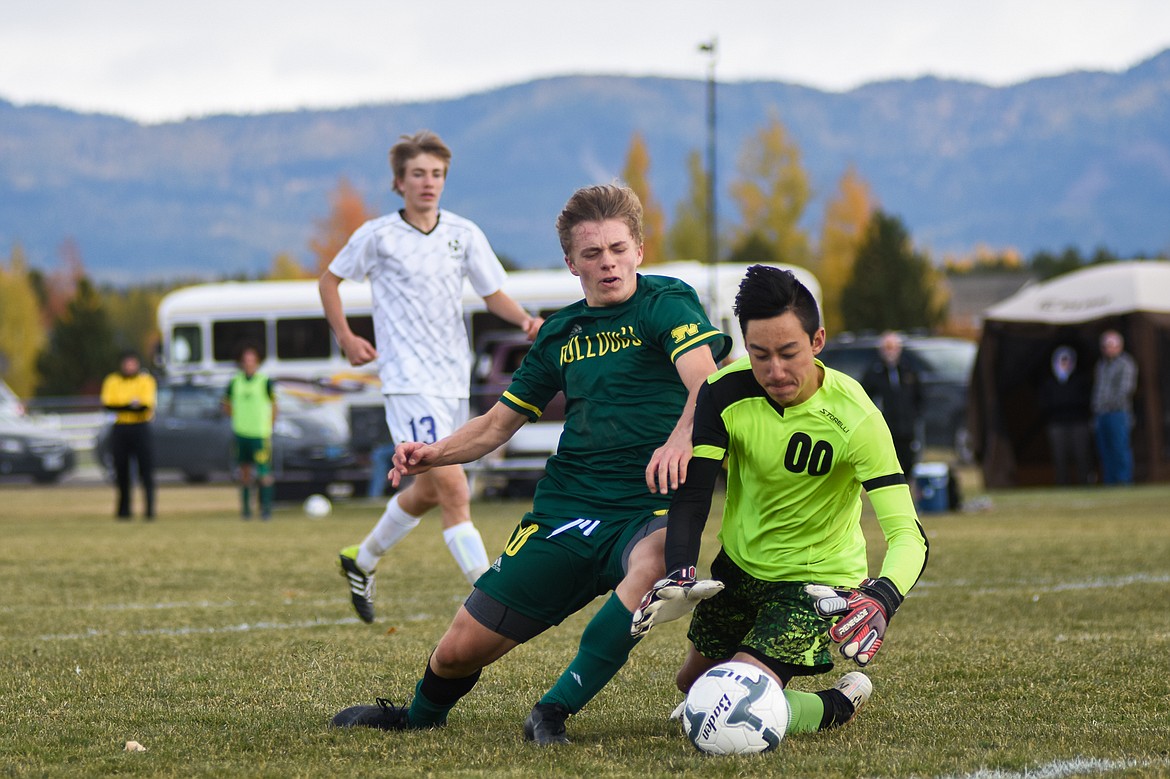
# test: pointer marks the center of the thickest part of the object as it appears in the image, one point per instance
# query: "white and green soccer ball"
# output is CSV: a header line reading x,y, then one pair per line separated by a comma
x,y
735,709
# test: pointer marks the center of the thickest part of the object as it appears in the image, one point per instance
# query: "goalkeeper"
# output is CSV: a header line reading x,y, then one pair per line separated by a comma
x,y
801,442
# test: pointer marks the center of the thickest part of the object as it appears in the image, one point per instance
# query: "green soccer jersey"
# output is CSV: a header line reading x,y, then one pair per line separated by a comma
x,y
623,394
794,480
251,400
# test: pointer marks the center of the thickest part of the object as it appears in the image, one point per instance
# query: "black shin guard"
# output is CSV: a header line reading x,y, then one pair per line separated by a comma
x,y
445,692
838,708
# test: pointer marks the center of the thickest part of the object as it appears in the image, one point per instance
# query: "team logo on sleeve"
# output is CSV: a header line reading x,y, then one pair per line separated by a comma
x,y
683,332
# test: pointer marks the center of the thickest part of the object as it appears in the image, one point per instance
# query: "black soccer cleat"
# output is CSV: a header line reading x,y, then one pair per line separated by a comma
x,y
545,724
384,716
361,584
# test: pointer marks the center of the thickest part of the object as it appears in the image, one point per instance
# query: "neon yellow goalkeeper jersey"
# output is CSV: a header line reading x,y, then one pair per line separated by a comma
x,y
623,394
794,480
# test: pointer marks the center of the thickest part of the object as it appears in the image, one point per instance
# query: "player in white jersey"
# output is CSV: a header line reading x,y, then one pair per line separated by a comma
x,y
416,261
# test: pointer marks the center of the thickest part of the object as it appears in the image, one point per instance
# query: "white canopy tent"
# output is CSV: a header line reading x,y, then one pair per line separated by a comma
x,y
1019,335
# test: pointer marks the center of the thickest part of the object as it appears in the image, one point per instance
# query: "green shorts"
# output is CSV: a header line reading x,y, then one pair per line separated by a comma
x,y
552,567
254,451
774,619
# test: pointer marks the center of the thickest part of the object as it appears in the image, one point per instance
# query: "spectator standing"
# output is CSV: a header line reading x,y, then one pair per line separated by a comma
x,y
1065,401
131,394
896,390
1114,382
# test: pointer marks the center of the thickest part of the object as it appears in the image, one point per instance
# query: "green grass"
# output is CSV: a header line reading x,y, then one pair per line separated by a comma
x,y
1038,640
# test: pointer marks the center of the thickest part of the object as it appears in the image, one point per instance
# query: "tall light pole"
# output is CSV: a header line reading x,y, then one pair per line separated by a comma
x,y
709,48
712,218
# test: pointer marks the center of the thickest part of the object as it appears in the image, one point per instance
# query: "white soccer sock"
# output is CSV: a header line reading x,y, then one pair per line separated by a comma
x,y
391,528
467,548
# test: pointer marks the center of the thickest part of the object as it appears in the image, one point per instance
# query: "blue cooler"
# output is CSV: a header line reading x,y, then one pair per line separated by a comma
x,y
933,482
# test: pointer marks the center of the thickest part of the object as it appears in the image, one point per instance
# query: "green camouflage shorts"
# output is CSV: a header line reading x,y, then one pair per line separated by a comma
x,y
775,619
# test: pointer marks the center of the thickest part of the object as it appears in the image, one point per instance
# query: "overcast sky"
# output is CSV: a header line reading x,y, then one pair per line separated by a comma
x,y
157,60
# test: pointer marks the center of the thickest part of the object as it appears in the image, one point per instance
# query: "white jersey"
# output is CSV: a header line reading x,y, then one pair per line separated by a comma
x,y
416,281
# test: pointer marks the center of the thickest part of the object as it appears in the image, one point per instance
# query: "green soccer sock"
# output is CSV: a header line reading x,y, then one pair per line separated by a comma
x,y
266,491
806,710
424,713
434,697
246,500
605,645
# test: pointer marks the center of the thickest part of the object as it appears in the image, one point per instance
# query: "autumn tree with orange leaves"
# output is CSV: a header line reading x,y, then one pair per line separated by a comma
x,y
846,216
348,212
636,174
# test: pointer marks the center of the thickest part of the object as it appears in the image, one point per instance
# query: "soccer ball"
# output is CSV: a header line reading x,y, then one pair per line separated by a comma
x,y
735,709
317,506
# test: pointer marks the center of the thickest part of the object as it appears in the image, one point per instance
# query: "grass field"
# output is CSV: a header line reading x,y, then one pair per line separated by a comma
x,y
1037,644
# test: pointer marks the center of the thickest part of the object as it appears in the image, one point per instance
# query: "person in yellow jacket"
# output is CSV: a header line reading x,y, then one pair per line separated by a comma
x,y
132,394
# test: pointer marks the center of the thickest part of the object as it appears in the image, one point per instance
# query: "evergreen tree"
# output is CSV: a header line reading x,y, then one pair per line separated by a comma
x,y
81,349
754,248
893,287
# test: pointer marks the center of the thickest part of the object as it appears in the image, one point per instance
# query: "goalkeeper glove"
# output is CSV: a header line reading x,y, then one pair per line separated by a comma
x,y
864,614
671,598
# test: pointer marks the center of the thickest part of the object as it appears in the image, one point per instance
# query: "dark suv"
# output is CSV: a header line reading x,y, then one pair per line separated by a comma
x,y
192,435
944,366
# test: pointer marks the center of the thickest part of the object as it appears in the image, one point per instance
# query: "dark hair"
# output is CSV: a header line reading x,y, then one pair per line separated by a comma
x,y
597,204
768,292
249,346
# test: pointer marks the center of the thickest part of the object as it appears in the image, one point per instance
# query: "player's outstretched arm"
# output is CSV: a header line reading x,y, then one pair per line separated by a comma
x,y
470,442
864,614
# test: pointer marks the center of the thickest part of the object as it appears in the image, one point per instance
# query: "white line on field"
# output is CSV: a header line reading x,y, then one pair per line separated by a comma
x,y
188,631
1061,768
200,604
972,587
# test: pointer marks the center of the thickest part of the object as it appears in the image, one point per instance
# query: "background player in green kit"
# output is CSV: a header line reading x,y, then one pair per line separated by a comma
x,y
801,441
630,359
250,401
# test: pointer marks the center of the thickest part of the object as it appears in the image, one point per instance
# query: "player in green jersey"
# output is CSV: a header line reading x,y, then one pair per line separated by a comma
x,y
250,401
801,441
630,359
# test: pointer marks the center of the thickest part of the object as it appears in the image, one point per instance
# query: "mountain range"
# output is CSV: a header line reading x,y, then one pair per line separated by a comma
x,y
1080,159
